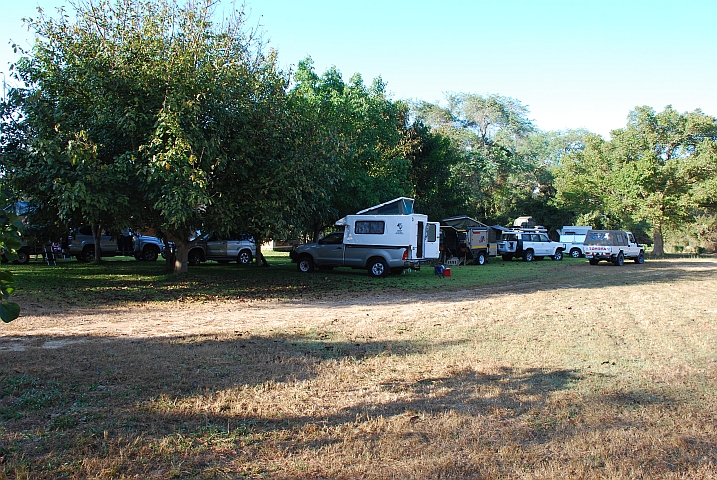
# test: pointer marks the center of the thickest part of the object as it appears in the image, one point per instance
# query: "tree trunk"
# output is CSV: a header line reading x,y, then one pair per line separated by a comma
x,y
260,260
97,234
177,257
658,249
181,256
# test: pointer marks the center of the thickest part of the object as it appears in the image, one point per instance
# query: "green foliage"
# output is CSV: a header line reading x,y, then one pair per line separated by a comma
x,y
659,169
10,229
504,160
147,114
358,147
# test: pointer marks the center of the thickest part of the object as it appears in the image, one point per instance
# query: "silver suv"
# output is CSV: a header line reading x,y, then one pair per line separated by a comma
x,y
238,248
529,245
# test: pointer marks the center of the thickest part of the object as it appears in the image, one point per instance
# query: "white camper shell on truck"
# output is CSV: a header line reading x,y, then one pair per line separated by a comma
x,y
573,236
386,238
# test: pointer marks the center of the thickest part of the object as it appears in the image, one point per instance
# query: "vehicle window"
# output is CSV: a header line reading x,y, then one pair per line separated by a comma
x,y
375,227
632,238
333,239
543,237
598,238
431,233
511,237
85,230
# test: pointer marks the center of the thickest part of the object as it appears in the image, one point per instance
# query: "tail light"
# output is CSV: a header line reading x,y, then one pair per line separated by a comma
x,y
405,255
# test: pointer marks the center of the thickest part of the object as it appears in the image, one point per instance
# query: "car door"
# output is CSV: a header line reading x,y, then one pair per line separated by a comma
x,y
330,250
216,248
108,245
633,248
545,245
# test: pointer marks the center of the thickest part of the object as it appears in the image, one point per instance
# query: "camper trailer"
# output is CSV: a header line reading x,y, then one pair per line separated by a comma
x,y
385,238
466,240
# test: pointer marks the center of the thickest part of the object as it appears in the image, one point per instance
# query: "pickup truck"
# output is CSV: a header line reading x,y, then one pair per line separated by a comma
x,y
331,251
81,244
613,246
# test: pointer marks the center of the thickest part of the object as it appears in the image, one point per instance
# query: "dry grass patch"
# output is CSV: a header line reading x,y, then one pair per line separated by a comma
x,y
596,373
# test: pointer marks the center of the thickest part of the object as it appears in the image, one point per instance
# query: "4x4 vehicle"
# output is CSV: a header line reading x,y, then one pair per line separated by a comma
x,y
332,251
239,248
81,244
529,245
613,246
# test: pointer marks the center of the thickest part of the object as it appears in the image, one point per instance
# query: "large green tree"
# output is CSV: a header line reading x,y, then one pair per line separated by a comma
x,y
149,113
491,132
659,169
361,150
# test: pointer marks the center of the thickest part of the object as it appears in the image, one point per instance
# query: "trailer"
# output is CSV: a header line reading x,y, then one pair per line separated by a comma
x,y
466,240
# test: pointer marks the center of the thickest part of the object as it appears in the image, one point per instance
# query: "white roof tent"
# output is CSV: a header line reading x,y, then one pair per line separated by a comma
x,y
397,206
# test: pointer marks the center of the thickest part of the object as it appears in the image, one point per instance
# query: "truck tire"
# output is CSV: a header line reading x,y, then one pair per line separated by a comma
x,y
150,253
88,253
305,264
619,260
575,253
481,258
23,256
377,267
194,258
244,257
558,255
640,258
528,256
507,257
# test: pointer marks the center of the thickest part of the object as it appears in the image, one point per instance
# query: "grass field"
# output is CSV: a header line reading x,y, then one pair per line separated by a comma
x,y
509,370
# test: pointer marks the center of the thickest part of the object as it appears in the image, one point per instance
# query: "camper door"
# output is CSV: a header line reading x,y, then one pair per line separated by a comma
x,y
432,240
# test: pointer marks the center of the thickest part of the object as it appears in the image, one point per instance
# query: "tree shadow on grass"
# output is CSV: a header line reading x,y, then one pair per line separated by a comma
x,y
121,395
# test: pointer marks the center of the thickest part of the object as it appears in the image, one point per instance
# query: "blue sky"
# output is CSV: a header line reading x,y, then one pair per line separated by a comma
x,y
572,63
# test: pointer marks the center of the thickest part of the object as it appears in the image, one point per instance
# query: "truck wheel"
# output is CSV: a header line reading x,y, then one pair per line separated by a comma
x,y
528,256
640,258
150,254
244,257
23,257
194,258
88,253
480,260
619,261
305,264
575,253
558,255
593,261
507,257
377,267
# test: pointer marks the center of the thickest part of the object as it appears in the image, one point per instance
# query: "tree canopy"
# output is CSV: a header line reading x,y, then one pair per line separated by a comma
x,y
154,115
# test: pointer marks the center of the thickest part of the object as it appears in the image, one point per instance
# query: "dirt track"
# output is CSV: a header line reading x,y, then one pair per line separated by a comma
x,y
49,327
